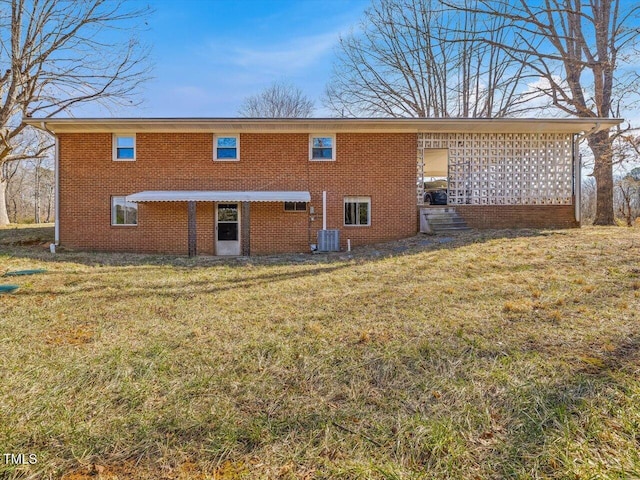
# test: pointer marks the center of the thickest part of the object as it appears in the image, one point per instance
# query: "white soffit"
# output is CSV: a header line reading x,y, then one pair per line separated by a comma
x,y
217,196
316,125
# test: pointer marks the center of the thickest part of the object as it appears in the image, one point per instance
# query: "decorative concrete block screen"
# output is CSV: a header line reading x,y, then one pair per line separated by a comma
x,y
503,168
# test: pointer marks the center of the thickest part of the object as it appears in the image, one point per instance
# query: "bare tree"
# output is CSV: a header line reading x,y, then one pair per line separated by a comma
x,y
279,100
627,199
588,201
627,192
579,51
30,188
13,177
420,58
56,55
47,192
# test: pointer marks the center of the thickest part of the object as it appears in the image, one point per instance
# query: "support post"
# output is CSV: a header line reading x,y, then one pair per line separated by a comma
x,y
245,220
191,237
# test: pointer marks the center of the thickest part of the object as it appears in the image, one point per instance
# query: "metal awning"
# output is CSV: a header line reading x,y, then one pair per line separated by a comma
x,y
217,196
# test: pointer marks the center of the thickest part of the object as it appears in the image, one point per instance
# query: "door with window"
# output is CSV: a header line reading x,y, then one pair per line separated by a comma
x,y
227,229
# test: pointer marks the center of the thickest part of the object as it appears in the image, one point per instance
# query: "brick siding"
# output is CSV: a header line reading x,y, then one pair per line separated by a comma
x,y
518,216
381,166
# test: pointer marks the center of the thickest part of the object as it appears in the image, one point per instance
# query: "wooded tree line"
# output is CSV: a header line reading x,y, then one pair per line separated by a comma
x,y
30,191
626,198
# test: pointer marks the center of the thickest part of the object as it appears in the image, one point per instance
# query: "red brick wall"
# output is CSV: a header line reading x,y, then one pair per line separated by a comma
x,y
272,228
518,216
381,166
205,225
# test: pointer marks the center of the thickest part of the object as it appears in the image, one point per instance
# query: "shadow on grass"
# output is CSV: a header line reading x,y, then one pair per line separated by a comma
x,y
557,427
32,243
185,288
17,235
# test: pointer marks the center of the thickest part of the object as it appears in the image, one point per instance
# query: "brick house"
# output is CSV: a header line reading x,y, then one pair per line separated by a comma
x,y
261,186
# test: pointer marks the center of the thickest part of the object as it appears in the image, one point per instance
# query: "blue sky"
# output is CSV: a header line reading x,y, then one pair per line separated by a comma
x,y
208,55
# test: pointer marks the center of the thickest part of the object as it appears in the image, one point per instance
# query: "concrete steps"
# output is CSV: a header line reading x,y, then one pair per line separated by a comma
x,y
441,220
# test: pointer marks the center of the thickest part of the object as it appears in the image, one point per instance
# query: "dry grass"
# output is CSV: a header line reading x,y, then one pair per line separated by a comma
x,y
24,234
496,355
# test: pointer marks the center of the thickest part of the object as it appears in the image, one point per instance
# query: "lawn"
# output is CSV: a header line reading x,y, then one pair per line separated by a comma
x,y
494,355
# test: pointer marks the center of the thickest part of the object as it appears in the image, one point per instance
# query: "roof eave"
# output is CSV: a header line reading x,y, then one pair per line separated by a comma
x,y
310,125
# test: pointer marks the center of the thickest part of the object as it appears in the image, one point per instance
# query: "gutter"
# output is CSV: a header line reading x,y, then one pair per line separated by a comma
x,y
595,129
313,125
56,190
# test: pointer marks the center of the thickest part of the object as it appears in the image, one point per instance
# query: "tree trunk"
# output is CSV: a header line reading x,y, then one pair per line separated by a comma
x,y
36,193
49,202
625,200
4,217
602,149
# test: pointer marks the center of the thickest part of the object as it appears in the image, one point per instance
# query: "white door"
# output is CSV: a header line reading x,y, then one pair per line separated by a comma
x,y
227,229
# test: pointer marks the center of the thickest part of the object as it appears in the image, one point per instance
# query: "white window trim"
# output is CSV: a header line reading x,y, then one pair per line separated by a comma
x,y
215,147
357,199
114,147
111,214
333,147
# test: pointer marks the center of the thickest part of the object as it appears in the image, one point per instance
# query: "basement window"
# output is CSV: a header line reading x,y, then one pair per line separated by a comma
x,y
322,147
124,147
295,206
123,212
226,147
357,211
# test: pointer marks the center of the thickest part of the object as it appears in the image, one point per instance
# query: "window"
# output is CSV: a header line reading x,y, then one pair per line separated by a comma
x,y
124,147
322,147
123,212
357,210
227,225
226,147
295,206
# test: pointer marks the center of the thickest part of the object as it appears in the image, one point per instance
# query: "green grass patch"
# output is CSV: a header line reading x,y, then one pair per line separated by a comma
x,y
497,355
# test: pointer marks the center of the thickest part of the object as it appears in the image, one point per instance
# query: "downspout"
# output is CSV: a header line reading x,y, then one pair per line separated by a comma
x,y
577,171
577,180
324,210
56,189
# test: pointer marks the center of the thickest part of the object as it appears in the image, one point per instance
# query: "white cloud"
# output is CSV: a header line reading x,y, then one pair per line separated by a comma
x,y
282,59
192,100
